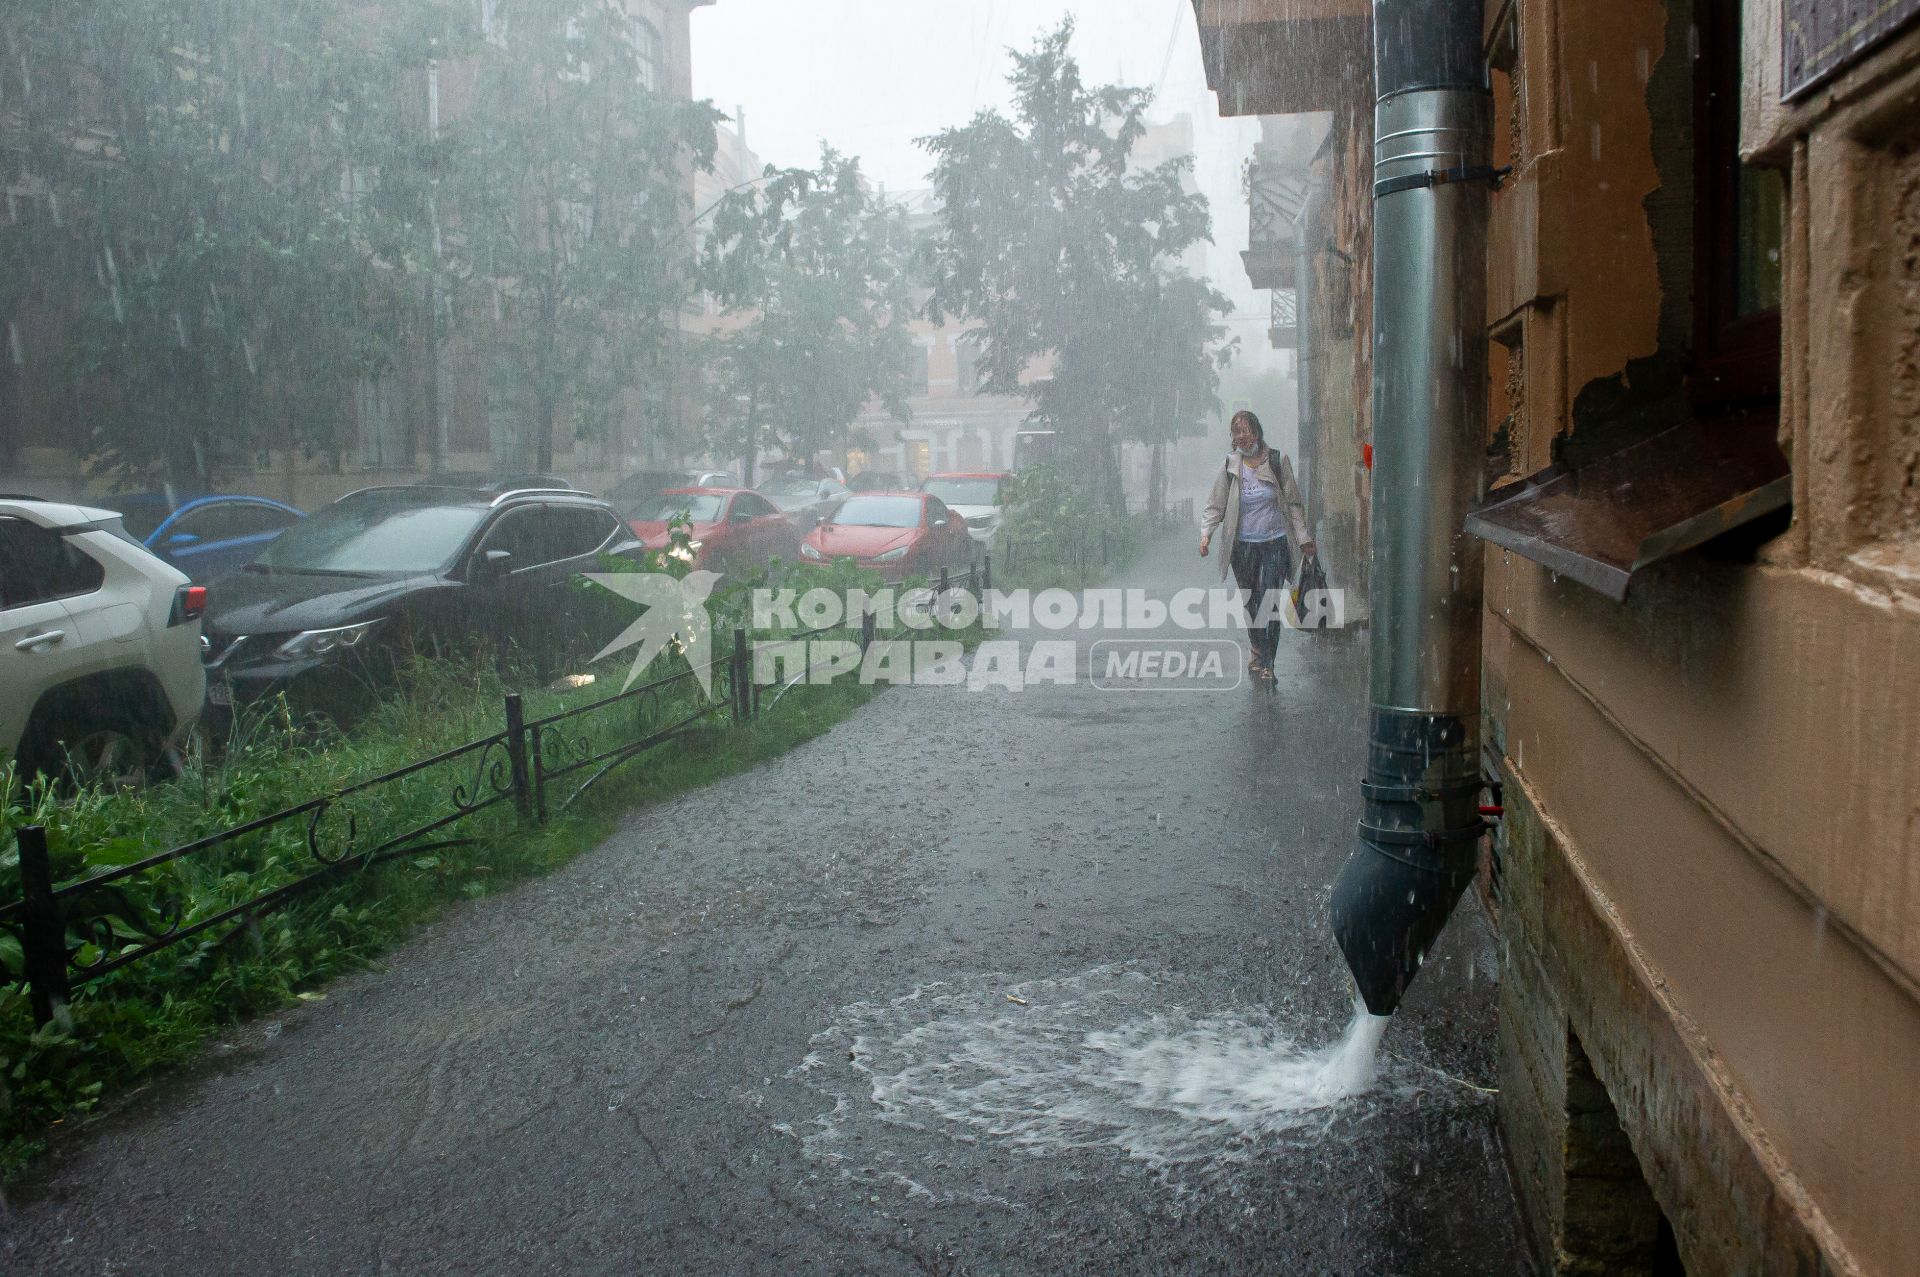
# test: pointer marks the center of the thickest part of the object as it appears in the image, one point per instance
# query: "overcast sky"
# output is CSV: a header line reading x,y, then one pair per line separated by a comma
x,y
869,76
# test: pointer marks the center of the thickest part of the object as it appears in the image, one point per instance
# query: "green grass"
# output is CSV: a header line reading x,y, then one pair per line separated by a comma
x,y
159,1010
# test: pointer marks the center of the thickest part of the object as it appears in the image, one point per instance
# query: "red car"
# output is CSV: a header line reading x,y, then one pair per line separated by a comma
x,y
898,534
731,527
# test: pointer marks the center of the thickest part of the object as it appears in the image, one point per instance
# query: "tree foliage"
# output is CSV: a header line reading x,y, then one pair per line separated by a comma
x,y
190,241
817,268
239,211
1066,251
569,194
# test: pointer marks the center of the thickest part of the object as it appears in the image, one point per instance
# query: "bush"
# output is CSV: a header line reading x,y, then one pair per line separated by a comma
x,y
1058,532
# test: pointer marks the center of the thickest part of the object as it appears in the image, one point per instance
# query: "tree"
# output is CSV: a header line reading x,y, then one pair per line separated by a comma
x,y
1063,250
1171,355
570,198
208,231
817,268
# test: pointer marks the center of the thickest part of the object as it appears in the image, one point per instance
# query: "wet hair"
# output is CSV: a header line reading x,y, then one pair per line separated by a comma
x,y
1252,421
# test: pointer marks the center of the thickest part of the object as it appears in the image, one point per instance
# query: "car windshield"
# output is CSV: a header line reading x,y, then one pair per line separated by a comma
x,y
372,535
699,507
880,512
791,486
965,491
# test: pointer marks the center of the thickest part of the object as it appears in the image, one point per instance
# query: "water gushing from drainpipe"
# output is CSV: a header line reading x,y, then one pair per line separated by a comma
x,y
1420,822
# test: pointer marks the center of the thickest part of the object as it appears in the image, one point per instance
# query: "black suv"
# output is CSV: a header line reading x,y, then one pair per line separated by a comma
x,y
339,599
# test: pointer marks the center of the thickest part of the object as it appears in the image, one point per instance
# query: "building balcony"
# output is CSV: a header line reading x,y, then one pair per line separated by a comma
x,y
1284,57
1275,196
1283,331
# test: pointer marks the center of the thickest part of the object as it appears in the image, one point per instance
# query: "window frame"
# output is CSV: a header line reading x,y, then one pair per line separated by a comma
x,y
649,55
1736,358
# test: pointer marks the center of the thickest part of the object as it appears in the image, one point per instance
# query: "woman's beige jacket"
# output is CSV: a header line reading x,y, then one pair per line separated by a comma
x,y
1223,505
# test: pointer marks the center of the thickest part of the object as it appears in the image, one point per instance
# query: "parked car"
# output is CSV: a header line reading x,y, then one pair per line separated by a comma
x,y
204,536
877,481
99,645
898,534
804,498
731,528
632,493
502,481
978,496
338,601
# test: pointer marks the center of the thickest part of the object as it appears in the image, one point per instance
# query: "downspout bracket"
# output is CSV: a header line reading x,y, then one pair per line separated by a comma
x,y
1493,177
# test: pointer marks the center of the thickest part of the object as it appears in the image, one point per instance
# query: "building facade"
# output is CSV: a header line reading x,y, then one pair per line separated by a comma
x,y
1701,625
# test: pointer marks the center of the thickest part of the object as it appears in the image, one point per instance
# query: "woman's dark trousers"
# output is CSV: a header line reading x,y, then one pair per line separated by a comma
x,y
1258,568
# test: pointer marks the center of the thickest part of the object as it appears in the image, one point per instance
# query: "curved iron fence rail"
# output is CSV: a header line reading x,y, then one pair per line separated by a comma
x,y
74,933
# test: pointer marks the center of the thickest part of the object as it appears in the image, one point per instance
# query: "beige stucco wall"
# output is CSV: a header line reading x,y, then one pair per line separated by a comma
x,y
1715,877
1734,758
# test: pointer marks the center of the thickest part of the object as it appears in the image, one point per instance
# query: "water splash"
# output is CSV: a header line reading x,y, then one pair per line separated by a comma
x,y
1111,1058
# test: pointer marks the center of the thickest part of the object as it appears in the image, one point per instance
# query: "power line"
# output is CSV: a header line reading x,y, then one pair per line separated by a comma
x,y
1180,11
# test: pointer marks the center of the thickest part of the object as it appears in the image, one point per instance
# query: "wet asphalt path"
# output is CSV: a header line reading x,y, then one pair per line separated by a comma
x,y
857,1011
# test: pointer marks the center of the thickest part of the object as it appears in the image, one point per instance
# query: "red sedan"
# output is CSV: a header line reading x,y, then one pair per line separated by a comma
x,y
898,534
731,527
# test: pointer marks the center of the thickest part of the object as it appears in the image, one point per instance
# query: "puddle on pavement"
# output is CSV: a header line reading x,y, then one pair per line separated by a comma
x,y
1113,1058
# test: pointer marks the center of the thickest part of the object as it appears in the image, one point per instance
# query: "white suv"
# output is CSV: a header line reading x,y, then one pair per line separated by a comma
x,y
100,666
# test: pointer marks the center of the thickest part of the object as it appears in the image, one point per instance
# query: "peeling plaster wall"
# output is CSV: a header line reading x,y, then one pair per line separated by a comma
x,y
1711,869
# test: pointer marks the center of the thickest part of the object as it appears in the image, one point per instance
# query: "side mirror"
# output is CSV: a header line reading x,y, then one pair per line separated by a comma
x,y
940,522
495,564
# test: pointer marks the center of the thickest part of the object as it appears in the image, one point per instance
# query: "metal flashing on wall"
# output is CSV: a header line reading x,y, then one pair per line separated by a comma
x,y
1608,519
1825,37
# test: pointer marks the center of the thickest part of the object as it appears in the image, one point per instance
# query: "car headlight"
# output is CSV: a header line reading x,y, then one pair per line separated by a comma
x,y
808,552
891,555
321,642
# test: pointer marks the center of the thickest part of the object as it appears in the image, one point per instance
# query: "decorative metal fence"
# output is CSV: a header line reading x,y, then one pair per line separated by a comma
x,y
75,933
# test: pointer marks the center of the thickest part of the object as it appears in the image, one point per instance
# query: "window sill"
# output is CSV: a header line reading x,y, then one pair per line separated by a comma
x,y
1603,522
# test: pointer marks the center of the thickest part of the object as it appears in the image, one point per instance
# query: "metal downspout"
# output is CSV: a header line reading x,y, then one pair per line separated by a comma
x,y
1309,233
1420,825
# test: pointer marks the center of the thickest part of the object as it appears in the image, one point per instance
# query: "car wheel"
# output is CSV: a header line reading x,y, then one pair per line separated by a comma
x,y
108,758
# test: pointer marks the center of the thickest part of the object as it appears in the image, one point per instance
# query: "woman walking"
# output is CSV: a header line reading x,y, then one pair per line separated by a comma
x,y
1257,501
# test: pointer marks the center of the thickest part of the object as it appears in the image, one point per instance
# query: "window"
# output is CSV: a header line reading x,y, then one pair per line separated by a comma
x,y
492,23
917,370
384,444
518,533
570,533
37,566
966,362
936,510
208,523
746,505
357,182
650,57
1738,234
578,68
231,519
433,99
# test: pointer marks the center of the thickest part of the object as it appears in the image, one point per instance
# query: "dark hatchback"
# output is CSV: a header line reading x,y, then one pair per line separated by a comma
x,y
338,601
